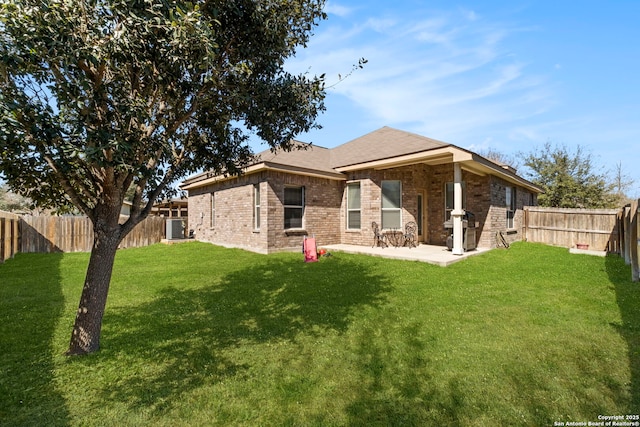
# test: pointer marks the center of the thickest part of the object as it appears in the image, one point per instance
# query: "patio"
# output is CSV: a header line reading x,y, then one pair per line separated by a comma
x,y
438,255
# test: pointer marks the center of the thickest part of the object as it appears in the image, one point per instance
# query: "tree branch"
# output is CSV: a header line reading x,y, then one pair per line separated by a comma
x,y
69,189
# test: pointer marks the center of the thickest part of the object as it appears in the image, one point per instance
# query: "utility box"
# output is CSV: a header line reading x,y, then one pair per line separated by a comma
x,y
175,229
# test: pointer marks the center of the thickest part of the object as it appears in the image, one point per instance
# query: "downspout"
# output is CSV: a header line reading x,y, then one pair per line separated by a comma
x,y
458,212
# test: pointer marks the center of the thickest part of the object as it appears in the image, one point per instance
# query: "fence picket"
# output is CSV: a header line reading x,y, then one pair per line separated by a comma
x,y
75,234
597,228
634,241
9,235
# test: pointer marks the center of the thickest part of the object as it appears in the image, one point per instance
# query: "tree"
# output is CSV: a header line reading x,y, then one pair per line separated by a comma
x,y
12,202
100,95
621,183
500,158
569,180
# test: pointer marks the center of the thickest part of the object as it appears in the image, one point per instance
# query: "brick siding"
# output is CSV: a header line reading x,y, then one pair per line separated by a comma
x,y
234,202
325,208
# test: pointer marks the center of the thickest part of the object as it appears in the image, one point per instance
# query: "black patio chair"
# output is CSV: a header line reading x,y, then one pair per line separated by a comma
x,y
410,234
378,237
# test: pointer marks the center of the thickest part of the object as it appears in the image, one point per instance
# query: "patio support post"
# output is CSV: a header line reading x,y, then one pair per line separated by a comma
x,y
458,212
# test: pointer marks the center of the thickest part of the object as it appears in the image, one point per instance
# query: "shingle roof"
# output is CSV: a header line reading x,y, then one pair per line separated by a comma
x,y
381,144
303,156
384,146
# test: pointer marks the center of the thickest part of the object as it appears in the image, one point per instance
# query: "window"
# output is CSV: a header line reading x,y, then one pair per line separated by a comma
x,y
256,207
420,216
448,199
391,204
213,210
353,206
293,207
510,202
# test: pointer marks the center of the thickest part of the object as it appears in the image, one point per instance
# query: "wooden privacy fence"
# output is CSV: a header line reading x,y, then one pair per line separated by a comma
x,y
42,234
629,217
611,230
596,228
9,235
75,233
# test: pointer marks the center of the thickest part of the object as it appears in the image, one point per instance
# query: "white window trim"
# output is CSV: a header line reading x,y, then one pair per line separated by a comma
x,y
399,208
302,207
354,210
447,212
257,201
212,210
511,207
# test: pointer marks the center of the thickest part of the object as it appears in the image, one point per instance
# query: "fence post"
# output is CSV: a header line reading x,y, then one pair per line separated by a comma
x,y
633,234
16,236
620,221
9,235
627,234
2,237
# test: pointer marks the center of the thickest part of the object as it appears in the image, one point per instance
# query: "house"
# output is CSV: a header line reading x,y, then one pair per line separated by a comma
x,y
173,208
388,176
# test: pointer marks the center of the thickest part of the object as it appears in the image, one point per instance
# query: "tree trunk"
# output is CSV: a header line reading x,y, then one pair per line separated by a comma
x,y
85,337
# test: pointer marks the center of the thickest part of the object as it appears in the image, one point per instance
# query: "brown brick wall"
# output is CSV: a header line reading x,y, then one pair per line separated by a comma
x,y
485,198
234,222
234,213
498,212
321,216
477,201
413,178
325,208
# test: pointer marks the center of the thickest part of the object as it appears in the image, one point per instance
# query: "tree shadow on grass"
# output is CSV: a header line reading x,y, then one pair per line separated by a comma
x,y
186,333
628,300
29,312
397,389
399,386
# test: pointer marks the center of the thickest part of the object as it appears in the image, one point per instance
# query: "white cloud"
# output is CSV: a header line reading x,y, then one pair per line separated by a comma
x,y
460,77
332,8
439,73
469,15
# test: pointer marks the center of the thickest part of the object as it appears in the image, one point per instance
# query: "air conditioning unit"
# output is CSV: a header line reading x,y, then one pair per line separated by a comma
x,y
175,229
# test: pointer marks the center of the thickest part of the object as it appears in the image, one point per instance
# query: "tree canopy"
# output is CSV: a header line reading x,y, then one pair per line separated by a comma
x,y
97,96
12,202
569,179
102,93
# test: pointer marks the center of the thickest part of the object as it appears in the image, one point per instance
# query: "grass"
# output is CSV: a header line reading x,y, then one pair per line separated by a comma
x,y
195,334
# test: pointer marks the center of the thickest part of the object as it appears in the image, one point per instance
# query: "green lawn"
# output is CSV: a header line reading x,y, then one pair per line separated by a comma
x,y
200,335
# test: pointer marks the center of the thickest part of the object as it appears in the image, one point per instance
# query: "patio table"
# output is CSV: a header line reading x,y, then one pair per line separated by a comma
x,y
395,237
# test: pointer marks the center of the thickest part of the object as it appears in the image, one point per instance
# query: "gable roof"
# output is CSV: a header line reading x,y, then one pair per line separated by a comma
x,y
387,148
384,148
384,143
303,157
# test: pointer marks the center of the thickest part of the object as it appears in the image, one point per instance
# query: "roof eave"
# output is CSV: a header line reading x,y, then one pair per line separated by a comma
x,y
481,166
444,155
264,166
434,156
337,176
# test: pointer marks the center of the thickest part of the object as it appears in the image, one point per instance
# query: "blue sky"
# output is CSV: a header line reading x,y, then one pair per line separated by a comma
x,y
501,75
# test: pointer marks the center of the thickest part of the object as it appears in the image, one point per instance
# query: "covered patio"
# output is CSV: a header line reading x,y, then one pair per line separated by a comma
x,y
438,255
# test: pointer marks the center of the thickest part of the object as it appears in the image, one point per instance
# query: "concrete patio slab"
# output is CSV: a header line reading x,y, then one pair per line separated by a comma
x,y
587,252
438,255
